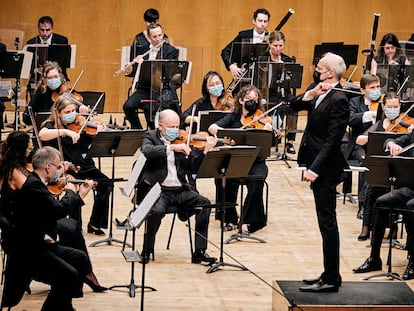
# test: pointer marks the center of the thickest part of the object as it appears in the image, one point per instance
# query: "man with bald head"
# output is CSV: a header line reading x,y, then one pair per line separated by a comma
x,y
169,164
320,153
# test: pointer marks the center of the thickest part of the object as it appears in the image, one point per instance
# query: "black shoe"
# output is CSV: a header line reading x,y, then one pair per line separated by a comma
x,y
369,265
362,237
409,271
95,231
201,255
311,281
93,283
290,149
320,287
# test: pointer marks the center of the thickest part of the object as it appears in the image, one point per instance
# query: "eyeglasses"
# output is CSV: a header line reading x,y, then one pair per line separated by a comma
x,y
57,167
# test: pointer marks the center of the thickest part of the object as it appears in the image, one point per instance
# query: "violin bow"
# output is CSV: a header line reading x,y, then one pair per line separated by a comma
x,y
35,130
190,130
261,115
76,82
90,113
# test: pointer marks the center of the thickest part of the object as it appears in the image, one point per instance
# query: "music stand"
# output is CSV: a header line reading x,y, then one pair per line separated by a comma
x,y
247,52
162,78
11,64
223,163
114,144
349,52
208,117
393,172
135,220
376,142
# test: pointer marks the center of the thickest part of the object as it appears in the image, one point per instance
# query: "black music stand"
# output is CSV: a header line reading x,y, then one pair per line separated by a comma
x,y
163,78
208,117
251,137
10,67
226,162
376,142
247,52
134,221
393,172
349,52
114,144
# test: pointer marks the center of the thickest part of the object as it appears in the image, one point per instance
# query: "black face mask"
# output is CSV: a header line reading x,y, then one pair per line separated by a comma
x,y
316,77
250,106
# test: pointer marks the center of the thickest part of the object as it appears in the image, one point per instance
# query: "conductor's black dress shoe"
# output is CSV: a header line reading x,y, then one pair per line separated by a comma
x,y
201,255
320,287
311,281
371,264
409,271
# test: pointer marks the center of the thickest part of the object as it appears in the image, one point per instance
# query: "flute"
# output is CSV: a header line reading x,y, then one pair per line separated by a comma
x,y
119,71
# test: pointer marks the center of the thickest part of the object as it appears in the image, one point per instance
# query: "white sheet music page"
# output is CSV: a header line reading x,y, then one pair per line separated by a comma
x,y
138,216
136,170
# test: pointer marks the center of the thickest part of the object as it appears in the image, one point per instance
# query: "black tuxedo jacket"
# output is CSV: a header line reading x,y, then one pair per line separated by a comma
x,y
155,169
244,35
320,146
56,39
357,110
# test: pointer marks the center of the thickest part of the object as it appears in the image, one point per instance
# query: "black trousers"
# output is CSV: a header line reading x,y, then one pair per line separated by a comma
x,y
102,192
65,268
324,192
187,200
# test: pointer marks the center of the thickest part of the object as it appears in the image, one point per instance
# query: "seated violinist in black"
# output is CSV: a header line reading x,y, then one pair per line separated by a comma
x,y
61,125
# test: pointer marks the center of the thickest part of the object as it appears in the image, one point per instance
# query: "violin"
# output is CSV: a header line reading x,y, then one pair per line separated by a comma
x,y
58,187
65,90
198,140
257,120
225,103
82,125
401,125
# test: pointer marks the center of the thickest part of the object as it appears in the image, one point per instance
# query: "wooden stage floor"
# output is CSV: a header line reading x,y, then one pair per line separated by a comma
x,y
292,251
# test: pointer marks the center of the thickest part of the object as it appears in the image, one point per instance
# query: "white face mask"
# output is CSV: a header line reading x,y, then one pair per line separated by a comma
x,y
54,83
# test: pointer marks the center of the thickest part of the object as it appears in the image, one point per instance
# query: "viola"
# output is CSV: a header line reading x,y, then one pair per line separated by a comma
x,y
82,125
257,120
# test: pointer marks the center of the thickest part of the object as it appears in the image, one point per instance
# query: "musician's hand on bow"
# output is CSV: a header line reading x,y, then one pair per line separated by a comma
x,y
236,71
75,136
394,148
85,187
83,109
183,148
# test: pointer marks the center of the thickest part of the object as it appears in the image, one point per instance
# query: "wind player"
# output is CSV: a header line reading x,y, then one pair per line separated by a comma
x,y
246,105
256,35
157,50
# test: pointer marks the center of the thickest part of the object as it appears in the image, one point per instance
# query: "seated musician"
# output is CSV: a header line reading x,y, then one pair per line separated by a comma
x,y
64,124
401,196
277,93
391,108
156,50
246,106
363,114
35,231
215,98
168,164
48,89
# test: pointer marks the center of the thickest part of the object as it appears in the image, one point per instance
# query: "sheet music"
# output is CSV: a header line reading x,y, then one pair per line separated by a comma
x,y
72,55
136,170
138,216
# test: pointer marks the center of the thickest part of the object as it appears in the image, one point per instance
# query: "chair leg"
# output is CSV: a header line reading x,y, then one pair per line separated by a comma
x,y
189,236
171,230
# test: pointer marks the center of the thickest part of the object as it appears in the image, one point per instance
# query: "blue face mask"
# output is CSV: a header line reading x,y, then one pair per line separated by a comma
x,y
69,117
216,90
374,95
55,178
54,83
171,133
392,113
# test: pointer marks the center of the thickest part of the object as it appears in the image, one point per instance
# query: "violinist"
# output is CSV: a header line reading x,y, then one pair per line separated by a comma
x,y
49,87
75,145
246,107
212,90
169,164
278,93
363,114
